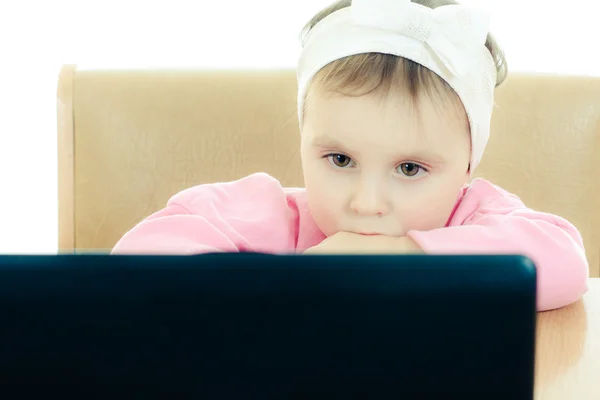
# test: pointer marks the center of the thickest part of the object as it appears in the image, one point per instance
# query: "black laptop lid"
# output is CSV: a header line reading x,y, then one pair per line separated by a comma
x,y
250,326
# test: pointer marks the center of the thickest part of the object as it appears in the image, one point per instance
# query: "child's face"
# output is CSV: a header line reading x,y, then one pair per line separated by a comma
x,y
378,165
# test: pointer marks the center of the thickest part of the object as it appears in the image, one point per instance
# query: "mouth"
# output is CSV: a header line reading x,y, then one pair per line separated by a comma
x,y
369,234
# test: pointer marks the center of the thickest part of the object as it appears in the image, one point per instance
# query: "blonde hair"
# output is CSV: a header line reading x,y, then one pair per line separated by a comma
x,y
380,73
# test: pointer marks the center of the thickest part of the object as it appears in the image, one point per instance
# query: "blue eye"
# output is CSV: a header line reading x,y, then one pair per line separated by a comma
x,y
340,160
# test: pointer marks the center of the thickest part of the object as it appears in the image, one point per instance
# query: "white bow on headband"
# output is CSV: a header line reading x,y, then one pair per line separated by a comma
x,y
448,40
449,30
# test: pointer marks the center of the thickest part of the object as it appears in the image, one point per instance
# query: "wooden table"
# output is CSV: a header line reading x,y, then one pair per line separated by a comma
x,y
568,350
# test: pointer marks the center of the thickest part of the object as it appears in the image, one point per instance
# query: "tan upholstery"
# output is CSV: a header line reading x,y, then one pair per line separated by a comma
x,y
128,140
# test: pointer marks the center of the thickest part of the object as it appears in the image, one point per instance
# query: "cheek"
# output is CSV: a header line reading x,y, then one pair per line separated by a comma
x,y
426,219
325,201
428,212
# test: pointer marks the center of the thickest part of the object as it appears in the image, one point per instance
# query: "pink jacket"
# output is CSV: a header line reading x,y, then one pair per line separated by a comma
x,y
257,214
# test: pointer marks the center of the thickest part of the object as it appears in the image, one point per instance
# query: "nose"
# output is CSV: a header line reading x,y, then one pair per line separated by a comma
x,y
370,199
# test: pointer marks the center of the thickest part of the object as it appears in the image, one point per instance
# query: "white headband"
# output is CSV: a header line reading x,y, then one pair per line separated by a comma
x,y
448,40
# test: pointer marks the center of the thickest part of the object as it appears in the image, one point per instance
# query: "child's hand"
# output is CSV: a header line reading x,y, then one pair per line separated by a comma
x,y
353,243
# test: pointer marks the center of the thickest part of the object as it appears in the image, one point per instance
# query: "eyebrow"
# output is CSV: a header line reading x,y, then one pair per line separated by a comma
x,y
421,154
325,141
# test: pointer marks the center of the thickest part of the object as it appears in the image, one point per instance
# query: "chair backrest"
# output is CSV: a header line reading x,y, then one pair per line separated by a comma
x,y
130,139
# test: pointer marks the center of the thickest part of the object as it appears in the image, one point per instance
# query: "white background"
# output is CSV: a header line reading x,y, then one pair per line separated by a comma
x,y
37,38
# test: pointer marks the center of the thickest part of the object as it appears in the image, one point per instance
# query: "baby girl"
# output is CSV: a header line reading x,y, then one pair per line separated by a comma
x,y
394,103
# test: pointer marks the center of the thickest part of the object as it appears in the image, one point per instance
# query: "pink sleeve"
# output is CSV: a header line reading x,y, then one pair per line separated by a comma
x,y
490,220
251,214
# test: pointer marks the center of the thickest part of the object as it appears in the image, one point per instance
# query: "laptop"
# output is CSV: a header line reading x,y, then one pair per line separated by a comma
x,y
257,326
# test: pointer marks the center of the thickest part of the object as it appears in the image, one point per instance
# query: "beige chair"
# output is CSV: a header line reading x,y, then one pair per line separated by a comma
x,y
128,140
